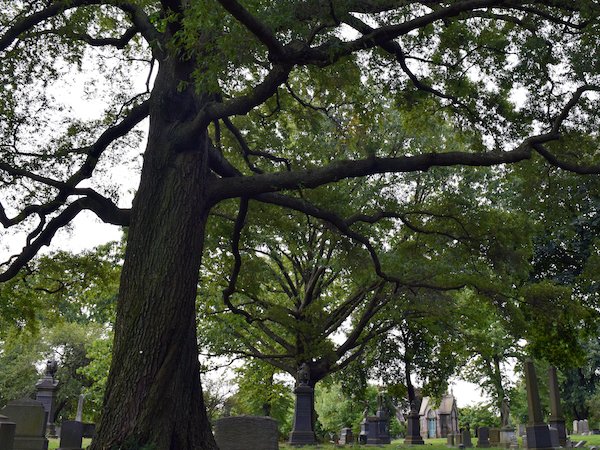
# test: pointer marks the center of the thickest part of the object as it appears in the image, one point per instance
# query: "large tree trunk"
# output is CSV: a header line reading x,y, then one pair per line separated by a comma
x,y
154,396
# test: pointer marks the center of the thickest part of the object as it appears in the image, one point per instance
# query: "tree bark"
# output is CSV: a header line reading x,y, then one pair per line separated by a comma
x,y
154,396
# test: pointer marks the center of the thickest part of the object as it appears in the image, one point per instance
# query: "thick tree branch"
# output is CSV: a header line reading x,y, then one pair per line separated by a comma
x,y
256,27
104,209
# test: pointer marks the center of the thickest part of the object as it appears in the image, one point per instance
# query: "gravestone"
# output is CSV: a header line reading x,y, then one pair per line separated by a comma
x,y
521,429
580,427
554,437
71,435
346,436
538,433
580,444
586,427
494,437
246,432
46,394
507,431
79,415
7,433
466,438
379,425
575,427
557,419
30,420
458,439
450,440
483,437
413,432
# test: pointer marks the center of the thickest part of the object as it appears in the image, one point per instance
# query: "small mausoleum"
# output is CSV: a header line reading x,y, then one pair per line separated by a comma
x,y
438,423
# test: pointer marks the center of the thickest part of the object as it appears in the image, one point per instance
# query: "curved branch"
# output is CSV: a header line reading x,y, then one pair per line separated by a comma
x,y
255,26
103,209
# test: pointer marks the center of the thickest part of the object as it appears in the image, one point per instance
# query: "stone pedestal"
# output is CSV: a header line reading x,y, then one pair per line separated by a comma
x,y
413,434
346,436
507,434
7,433
46,395
302,431
538,437
30,419
483,437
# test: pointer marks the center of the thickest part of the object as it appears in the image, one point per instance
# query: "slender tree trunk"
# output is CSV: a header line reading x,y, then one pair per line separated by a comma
x,y
154,397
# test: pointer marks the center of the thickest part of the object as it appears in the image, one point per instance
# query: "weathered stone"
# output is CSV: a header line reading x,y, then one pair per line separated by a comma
x,y
507,434
71,435
483,437
586,427
246,432
30,419
554,437
346,436
494,437
575,427
466,438
579,444
7,433
449,440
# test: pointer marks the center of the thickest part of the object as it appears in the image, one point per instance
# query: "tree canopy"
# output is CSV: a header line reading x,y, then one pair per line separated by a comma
x,y
266,102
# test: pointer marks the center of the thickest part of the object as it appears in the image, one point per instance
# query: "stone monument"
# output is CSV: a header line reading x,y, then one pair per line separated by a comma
x,y
507,432
483,437
7,433
557,419
247,432
46,394
538,433
30,420
302,431
466,438
346,436
413,432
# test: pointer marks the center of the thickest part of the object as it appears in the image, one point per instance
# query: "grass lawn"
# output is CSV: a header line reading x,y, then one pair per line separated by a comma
x,y
430,444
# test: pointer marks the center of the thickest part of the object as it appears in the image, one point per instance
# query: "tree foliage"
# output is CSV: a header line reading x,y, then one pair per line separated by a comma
x,y
239,92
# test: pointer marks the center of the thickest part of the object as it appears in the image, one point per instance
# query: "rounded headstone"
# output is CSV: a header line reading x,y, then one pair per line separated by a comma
x,y
247,432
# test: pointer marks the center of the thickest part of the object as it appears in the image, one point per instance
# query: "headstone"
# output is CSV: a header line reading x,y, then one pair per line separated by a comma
x,y
514,443
575,427
494,437
466,438
458,439
30,420
580,428
595,431
302,431
580,444
450,440
507,435
483,437
557,419
554,437
7,433
246,432
538,433
379,426
71,435
586,427
346,436
521,429
46,394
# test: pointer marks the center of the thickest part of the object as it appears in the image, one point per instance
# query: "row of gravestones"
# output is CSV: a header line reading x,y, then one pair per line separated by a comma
x,y
486,437
23,427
